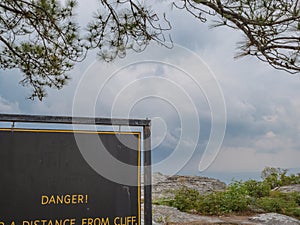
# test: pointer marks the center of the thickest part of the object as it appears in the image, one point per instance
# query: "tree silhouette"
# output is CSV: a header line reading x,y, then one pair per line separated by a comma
x,y
41,38
271,28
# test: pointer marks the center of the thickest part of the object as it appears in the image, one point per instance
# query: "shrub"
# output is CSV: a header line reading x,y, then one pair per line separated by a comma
x,y
162,201
257,189
212,204
295,212
284,203
185,199
277,177
237,197
234,199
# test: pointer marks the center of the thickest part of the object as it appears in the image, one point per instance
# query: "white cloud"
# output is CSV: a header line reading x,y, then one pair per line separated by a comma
x,y
270,134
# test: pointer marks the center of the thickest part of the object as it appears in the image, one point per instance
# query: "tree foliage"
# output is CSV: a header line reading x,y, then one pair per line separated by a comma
x,y
276,177
40,37
271,27
125,25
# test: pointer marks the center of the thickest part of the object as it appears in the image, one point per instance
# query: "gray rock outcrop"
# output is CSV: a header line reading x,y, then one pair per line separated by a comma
x,y
289,188
165,214
164,186
274,219
168,215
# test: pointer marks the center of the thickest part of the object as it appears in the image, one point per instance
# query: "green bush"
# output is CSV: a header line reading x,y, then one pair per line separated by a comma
x,y
277,177
284,203
162,201
236,197
220,203
297,197
185,199
257,189
295,212
212,204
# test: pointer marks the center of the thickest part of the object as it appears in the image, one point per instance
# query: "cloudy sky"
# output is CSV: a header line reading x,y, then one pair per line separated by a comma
x,y
235,116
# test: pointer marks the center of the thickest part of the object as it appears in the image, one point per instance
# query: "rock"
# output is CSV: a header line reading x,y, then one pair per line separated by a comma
x,y
165,214
289,188
274,219
164,186
171,216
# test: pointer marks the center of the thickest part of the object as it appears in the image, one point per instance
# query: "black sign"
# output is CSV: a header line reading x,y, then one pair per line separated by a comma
x,y
46,181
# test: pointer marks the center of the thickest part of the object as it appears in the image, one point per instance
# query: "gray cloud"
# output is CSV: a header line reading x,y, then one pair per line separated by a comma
x,y
263,108
8,107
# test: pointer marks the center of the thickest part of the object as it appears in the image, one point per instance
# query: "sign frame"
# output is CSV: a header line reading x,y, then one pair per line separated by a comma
x,y
145,124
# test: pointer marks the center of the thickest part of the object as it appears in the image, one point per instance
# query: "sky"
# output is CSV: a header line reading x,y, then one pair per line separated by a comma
x,y
212,115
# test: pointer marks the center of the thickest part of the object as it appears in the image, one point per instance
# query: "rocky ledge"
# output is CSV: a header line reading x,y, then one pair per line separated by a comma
x,y
164,186
164,215
290,188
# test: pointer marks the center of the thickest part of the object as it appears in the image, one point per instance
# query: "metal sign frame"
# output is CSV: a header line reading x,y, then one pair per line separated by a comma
x,y
144,123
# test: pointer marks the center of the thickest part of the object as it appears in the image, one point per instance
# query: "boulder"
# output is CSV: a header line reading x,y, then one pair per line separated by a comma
x,y
289,188
164,186
274,219
166,215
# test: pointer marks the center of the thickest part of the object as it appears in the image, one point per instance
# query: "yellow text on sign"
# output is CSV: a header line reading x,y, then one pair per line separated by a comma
x,y
50,222
95,221
64,199
128,220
